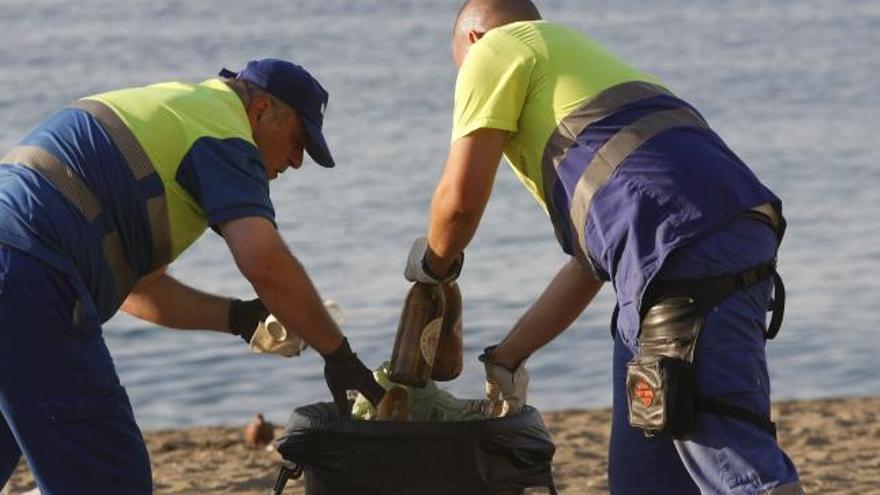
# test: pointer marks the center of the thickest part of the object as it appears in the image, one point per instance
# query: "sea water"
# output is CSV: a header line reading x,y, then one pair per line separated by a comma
x,y
791,85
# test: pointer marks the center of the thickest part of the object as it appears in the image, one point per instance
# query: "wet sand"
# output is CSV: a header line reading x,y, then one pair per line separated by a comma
x,y
835,444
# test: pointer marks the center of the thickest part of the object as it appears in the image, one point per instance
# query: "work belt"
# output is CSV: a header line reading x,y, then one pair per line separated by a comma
x,y
661,381
711,291
75,190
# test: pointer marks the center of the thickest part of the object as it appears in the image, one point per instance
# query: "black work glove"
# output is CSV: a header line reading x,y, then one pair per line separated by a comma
x,y
244,316
343,371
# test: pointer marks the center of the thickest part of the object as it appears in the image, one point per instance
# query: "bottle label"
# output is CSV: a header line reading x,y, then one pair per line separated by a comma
x,y
429,339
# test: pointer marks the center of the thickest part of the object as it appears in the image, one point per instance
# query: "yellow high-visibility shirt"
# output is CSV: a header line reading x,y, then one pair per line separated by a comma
x,y
525,77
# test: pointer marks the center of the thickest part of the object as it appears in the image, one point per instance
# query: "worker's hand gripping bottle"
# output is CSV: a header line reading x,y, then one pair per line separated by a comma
x,y
417,335
448,362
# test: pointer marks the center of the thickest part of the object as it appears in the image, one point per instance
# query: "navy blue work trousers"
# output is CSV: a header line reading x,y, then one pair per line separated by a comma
x,y
61,403
723,455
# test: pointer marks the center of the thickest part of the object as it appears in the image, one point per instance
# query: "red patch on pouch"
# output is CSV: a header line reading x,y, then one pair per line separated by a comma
x,y
644,392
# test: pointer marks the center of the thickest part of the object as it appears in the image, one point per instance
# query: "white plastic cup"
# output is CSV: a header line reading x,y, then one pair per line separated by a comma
x,y
276,329
272,337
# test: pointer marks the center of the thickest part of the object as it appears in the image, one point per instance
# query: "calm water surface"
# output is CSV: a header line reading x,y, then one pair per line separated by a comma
x,y
791,85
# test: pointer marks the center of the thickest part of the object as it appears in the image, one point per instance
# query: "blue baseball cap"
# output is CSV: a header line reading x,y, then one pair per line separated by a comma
x,y
293,85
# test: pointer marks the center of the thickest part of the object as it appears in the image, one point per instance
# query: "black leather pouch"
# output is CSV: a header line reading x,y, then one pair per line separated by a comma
x,y
661,384
661,392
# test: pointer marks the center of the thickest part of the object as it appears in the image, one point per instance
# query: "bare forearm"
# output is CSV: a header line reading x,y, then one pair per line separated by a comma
x,y
165,301
564,299
289,294
461,195
451,228
281,282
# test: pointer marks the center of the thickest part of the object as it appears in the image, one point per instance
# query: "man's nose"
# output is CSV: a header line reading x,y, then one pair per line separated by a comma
x,y
296,157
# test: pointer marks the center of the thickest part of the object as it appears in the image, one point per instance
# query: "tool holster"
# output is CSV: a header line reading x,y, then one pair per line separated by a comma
x,y
661,382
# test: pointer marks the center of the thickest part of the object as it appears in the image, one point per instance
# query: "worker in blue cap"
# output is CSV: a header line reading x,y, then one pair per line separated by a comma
x,y
94,204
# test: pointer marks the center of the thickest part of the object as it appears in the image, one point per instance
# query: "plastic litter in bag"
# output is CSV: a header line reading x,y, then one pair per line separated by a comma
x,y
430,403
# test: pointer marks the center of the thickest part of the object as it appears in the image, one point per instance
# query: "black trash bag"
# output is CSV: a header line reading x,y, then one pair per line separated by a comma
x,y
355,457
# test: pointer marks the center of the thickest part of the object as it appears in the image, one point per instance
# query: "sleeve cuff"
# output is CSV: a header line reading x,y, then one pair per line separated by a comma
x,y
216,219
501,124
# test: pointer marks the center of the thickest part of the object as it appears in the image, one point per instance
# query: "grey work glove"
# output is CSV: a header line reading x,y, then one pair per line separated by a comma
x,y
505,388
343,371
417,270
245,316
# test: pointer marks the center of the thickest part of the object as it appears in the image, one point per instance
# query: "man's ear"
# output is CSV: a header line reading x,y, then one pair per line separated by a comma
x,y
258,107
474,35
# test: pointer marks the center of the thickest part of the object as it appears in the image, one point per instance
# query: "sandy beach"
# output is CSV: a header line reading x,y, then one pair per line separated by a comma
x,y
835,443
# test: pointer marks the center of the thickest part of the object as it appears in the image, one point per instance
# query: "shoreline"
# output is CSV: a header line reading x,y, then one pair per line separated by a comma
x,y
835,444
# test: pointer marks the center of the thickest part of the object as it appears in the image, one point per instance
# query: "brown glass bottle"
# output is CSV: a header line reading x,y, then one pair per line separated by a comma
x,y
417,335
449,360
394,406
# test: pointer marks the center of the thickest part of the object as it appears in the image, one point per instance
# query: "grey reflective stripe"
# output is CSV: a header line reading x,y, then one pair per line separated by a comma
x,y
141,167
615,151
68,182
602,105
788,489
599,107
770,212
78,193
111,244
131,148
157,209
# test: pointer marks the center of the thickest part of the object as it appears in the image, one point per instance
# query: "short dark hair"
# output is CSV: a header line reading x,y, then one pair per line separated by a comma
x,y
496,13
